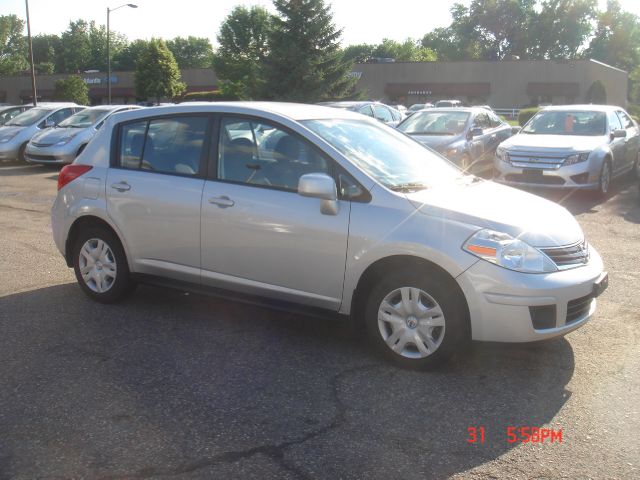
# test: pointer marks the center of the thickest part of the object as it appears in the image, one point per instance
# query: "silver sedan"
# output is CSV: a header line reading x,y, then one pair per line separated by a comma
x,y
63,143
578,147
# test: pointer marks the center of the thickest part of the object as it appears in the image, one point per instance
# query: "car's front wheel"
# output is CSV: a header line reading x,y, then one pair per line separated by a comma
x,y
414,319
605,179
101,266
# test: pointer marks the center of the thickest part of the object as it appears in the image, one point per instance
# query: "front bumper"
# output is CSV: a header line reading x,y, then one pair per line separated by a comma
x,y
500,300
577,176
52,154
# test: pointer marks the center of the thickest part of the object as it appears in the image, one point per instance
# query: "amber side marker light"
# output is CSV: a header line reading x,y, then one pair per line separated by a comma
x,y
487,251
70,173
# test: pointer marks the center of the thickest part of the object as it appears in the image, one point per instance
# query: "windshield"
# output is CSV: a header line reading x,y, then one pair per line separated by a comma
x,y
388,156
554,122
29,117
85,118
435,123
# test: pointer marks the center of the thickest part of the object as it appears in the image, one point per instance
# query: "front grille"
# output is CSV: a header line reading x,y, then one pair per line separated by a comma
x,y
49,158
578,308
570,256
536,179
536,160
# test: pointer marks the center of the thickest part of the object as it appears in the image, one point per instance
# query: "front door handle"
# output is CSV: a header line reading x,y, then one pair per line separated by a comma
x,y
222,201
121,186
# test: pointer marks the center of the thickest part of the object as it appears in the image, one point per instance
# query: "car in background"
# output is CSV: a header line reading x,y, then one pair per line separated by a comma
x,y
377,110
64,142
7,112
418,106
422,255
16,133
466,136
449,104
401,108
571,146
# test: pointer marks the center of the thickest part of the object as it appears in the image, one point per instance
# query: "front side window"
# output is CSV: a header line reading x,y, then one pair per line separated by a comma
x,y
626,120
29,117
382,114
482,121
259,153
556,122
85,118
614,121
366,110
60,115
165,145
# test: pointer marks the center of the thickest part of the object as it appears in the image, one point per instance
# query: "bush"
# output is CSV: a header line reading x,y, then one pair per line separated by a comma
x,y
525,114
72,89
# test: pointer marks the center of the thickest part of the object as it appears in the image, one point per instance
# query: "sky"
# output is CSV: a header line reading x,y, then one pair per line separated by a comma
x,y
362,21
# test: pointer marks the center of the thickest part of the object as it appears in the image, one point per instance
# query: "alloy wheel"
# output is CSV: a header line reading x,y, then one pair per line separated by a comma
x,y
605,178
411,322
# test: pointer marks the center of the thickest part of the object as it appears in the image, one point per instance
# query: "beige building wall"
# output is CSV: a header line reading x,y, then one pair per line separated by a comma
x,y
501,84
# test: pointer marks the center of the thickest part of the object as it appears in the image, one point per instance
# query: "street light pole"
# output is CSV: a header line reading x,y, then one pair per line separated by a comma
x,y
109,10
33,70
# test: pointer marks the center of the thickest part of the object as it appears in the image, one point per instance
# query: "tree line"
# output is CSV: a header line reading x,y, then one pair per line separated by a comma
x,y
296,53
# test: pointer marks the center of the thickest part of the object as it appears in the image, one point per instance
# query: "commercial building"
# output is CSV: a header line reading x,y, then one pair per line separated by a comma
x,y
501,84
17,90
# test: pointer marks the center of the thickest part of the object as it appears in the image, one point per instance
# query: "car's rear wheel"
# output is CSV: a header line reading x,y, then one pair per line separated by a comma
x,y
100,265
414,319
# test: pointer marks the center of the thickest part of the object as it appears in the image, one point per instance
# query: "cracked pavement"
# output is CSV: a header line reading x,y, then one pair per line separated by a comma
x,y
173,385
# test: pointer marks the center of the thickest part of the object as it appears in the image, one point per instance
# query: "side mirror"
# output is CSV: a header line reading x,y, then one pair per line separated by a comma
x,y
322,186
619,133
474,132
515,130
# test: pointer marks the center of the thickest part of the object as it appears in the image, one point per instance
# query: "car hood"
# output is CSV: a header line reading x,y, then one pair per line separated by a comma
x,y
528,142
437,142
51,136
533,219
10,132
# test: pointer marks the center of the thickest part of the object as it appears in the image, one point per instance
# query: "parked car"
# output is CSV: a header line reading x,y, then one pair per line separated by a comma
x,y
377,110
448,104
63,143
418,106
17,132
340,215
466,136
7,112
573,146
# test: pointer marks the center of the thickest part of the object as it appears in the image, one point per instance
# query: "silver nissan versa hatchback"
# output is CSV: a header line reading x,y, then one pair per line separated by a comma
x,y
324,211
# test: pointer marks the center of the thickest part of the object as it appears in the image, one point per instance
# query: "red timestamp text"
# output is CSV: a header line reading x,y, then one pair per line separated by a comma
x,y
518,434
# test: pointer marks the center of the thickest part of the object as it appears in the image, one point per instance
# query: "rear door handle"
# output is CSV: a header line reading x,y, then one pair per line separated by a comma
x,y
222,201
121,186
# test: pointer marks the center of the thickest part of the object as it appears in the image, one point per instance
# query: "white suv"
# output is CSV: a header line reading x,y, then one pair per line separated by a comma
x,y
322,210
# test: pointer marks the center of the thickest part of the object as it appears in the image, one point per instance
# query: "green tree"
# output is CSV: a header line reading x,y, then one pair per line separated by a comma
x,y
157,74
407,51
305,62
72,89
360,53
98,46
596,94
75,51
44,52
13,48
191,52
127,58
458,41
242,49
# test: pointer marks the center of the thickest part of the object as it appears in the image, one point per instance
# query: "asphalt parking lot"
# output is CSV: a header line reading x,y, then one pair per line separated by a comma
x,y
170,385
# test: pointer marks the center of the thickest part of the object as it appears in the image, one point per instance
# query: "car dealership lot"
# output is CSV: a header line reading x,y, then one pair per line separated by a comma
x,y
169,384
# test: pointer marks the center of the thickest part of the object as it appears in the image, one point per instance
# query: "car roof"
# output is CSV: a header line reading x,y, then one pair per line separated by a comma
x,y
293,111
55,105
588,108
457,109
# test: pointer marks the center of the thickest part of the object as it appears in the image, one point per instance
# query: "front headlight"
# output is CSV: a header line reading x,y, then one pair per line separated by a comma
x,y
576,158
508,252
502,154
64,141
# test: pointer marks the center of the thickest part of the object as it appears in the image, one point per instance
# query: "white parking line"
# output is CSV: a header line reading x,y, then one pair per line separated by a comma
x,y
18,167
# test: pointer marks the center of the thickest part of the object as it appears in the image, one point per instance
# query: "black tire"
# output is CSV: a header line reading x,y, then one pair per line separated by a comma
x,y
21,155
604,181
455,333
118,288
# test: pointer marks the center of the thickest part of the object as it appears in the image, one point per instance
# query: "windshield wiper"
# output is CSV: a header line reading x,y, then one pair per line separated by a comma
x,y
409,187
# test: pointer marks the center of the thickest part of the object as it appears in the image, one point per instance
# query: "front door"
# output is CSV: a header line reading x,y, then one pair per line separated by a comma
x,y
259,235
154,194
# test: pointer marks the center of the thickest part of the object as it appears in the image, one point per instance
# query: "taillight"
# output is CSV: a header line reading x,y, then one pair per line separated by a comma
x,y
70,173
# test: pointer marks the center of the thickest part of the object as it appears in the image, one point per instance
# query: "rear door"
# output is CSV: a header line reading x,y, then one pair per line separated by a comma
x,y
154,192
631,140
617,145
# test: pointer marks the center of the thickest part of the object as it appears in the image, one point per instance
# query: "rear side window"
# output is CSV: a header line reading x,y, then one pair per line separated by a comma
x,y
626,121
382,114
166,145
